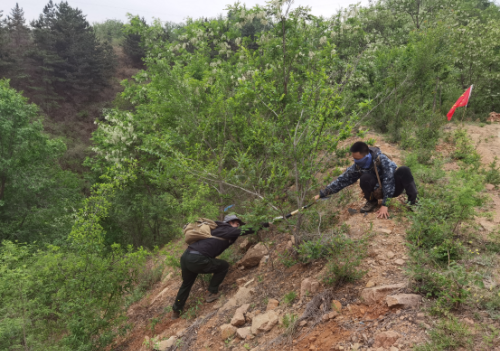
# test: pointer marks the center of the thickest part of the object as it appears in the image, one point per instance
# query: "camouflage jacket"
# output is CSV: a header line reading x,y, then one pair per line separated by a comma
x,y
385,166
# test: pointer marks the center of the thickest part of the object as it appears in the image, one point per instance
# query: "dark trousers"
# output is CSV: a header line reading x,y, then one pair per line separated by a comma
x,y
403,179
191,266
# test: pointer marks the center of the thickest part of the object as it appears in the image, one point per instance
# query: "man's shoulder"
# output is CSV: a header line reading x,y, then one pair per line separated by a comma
x,y
386,160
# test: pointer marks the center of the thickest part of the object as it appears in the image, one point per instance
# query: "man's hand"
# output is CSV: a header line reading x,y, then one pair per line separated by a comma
x,y
316,198
383,212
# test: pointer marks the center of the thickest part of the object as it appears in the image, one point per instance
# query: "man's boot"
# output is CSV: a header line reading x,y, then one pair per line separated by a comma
x,y
211,297
176,314
369,206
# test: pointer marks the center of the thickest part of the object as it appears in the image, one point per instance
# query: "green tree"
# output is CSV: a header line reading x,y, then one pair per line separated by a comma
x,y
247,124
69,58
110,31
19,46
36,197
132,46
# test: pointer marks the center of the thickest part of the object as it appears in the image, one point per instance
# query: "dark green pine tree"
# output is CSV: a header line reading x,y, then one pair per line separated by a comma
x,y
45,59
5,62
19,43
71,59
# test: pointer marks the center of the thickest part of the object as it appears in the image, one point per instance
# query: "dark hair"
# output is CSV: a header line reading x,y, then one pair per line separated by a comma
x,y
360,147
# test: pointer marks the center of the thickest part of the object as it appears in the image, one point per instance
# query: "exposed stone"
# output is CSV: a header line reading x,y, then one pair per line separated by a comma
x,y
253,256
242,296
383,231
245,244
264,322
393,349
289,246
403,300
399,262
181,332
239,316
308,287
226,331
372,295
325,317
242,333
420,315
390,255
314,286
250,315
272,304
303,323
370,284
488,226
336,306
332,315
386,339
264,260
292,239
490,187
166,344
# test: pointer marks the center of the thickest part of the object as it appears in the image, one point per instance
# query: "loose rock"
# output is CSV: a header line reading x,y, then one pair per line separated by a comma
x,y
166,344
399,262
308,287
403,300
390,254
226,331
242,333
386,339
372,295
253,256
242,296
336,306
264,322
272,304
239,316
370,284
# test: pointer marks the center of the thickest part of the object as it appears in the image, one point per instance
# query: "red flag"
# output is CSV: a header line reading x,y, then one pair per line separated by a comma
x,y
462,101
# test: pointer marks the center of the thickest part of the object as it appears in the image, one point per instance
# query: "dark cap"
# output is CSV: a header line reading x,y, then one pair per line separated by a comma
x,y
233,217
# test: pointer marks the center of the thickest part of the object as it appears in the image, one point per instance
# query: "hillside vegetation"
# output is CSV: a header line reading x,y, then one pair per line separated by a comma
x,y
252,109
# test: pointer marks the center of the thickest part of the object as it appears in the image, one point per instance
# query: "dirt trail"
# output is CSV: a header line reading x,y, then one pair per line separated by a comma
x,y
357,325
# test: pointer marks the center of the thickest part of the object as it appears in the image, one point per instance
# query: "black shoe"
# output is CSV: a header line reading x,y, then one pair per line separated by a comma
x,y
176,314
211,297
368,206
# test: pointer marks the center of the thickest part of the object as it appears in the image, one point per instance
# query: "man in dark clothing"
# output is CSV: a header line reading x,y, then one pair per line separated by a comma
x,y
394,180
200,258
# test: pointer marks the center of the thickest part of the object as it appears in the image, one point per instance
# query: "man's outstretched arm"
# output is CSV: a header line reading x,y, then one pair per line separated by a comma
x,y
350,176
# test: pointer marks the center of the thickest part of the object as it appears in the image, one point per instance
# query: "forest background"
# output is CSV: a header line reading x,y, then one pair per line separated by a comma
x,y
244,109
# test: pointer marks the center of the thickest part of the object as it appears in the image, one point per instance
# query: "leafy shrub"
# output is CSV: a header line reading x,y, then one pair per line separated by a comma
x,y
492,174
289,297
311,250
464,149
290,323
344,258
449,334
287,259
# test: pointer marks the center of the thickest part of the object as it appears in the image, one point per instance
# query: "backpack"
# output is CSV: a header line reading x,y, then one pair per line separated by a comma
x,y
199,230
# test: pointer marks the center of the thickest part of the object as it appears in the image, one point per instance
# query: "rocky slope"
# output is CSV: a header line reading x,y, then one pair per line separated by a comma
x,y
379,312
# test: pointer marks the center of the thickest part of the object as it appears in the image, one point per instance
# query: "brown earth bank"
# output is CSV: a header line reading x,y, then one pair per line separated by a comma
x,y
379,312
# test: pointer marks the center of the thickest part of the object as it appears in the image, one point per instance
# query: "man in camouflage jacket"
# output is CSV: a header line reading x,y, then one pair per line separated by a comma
x,y
394,180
